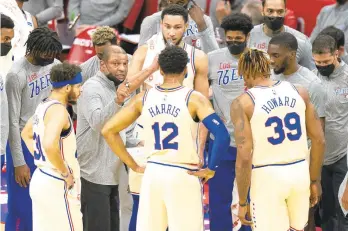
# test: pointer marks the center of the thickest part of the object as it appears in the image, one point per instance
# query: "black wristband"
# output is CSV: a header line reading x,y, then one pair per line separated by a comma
x,y
244,204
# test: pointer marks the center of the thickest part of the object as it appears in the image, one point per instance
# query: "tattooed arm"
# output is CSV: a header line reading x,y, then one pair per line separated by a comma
x,y
244,143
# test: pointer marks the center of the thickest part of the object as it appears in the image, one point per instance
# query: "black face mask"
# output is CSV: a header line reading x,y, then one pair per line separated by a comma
x,y
43,62
115,80
5,48
236,48
326,70
341,2
274,23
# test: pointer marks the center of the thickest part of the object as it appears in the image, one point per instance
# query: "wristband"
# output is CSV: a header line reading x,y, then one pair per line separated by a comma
x,y
314,181
244,204
65,176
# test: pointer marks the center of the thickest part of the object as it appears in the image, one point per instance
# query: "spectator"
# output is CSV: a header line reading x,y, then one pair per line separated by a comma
x,y
44,10
31,20
27,84
333,15
99,13
6,35
334,76
339,37
200,31
253,8
274,13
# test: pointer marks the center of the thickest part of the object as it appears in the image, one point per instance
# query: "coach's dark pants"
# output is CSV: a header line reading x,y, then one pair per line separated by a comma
x,y
99,206
331,178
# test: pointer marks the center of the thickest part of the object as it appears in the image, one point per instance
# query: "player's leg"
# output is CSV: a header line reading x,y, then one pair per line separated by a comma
x,y
298,201
95,206
115,208
268,193
126,201
339,173
133,221
152,214
329,220
184,201
19,203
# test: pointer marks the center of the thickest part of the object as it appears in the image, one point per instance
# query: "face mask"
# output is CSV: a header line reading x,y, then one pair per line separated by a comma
x,y
341,2
236,48
43,62
113,78
5,48
274,23
326,70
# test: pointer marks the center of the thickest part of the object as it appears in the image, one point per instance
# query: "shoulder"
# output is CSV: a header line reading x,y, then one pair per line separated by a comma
x,y
303,92
56,110
200,56
151,19
89,61
198,99
217,52
299,36
56,61
327,9
256,29
308,75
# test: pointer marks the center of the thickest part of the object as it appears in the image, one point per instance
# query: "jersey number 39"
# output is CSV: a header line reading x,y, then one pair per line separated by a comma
x,y
166,142
291,121
38,154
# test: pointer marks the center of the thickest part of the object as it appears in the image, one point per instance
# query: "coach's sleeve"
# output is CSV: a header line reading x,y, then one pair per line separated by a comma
x,y
14,98
317,95
95,113
147,30
207,37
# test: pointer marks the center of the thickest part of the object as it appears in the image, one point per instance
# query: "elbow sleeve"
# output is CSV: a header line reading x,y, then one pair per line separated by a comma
x,y
222,139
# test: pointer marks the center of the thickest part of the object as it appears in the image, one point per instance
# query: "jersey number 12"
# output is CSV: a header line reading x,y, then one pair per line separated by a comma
x,y
166,142
292,123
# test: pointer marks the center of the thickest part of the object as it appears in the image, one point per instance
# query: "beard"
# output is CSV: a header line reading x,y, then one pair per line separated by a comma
x,y
72,98
282,68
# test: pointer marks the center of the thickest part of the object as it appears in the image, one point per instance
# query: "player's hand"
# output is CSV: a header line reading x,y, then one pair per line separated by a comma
x,y
22,175
345,199
244,215
223,9
315,193
69,180
141,144
122,93
154,65
139,169
197,15
205,174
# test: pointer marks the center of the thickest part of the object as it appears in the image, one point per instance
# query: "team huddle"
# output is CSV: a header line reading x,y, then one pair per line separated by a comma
x,y
265,130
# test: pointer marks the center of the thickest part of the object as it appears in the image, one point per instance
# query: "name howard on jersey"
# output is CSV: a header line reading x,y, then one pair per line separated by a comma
x,y
164,109
279,102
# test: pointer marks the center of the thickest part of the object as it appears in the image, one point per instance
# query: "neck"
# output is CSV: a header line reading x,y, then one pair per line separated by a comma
x,y
20,4
292,68
171,81
56,95
337,64
262,81
30,59
271,33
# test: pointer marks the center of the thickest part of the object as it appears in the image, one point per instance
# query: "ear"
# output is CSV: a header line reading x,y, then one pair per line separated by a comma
x,y
341,51
68,88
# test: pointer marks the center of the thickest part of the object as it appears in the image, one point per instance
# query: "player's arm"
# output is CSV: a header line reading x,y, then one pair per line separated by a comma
x,y
201,85
244,143
28,134
56,120
316,135
201,107
113,127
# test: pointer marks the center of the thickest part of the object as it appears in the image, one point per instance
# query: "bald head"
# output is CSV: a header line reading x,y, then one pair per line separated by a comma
x,y
111,50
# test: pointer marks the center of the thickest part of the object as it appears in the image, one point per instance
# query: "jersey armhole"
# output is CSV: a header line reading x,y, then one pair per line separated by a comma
x,y
293,86
196,119
192,60
251,96
145,95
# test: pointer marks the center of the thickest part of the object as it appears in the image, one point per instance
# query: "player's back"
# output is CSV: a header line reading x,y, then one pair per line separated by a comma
x,y
67,141
169,129
278,125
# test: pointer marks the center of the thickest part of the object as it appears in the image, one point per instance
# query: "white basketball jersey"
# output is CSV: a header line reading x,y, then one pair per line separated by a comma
x,y
278,124
169,129
29,20
154,47
67,141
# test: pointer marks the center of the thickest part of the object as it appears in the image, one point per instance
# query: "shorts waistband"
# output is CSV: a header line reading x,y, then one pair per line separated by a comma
x,y
175,165
280,164
51,173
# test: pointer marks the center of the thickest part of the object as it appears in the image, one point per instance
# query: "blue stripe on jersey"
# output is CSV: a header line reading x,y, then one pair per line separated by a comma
x,y
188,97
277,83
193,60
144,96
267,165
169,89
293,86
67,207
172,165
251,96
140,125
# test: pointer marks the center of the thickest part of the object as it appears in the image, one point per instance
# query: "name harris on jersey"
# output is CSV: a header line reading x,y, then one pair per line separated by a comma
x,y
164,109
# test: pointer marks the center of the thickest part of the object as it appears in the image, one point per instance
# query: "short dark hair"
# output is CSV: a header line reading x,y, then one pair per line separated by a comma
x,y
175,9
335,33
264,3
6,22
64,71
324,44
173,60
237,22
42,40
110,50
285,39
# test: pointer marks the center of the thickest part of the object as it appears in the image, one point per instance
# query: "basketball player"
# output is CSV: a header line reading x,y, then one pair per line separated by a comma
x,y
171,193
227,85
49,135
30,19
27,84
271,121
